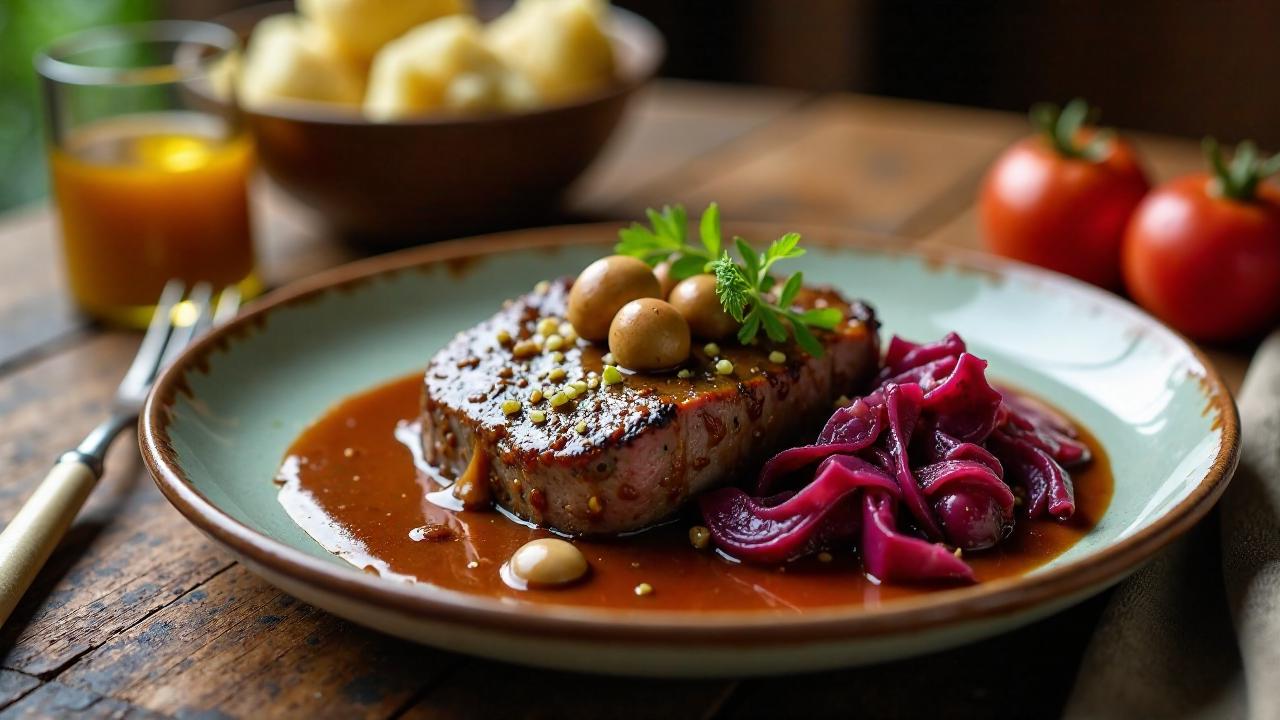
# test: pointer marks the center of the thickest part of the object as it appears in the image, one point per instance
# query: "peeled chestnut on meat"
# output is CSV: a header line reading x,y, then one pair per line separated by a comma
x,y
666,282
649,334
696,299
602,288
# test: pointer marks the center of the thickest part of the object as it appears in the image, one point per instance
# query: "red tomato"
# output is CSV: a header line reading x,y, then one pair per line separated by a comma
x,y
1206,264
1064,213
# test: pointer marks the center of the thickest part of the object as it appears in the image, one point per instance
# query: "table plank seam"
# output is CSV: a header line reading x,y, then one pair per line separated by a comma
x,y
75,659
123,581
35,704
18,698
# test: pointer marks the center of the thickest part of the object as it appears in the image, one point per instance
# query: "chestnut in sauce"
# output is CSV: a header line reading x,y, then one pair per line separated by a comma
x,y
546,562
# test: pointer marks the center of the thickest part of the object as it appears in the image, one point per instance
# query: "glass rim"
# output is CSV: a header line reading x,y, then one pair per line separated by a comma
x,y
51,64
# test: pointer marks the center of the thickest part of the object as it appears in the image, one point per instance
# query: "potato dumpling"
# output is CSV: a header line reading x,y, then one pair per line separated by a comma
x,y
559,44
289,59
360,28
443,65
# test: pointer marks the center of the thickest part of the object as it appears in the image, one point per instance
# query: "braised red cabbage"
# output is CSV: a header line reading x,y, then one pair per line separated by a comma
x,y
917,468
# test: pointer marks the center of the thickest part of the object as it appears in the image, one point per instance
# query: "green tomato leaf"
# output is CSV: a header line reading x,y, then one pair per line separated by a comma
x,y
1269,167
1070,121
1044,117
1099,146
1242,165
709,229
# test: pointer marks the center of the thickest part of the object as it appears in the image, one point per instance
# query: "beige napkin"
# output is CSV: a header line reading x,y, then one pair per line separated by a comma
x,y
1196,632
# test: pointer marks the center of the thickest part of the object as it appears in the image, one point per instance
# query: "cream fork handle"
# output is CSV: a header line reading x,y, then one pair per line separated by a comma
x,y
35,531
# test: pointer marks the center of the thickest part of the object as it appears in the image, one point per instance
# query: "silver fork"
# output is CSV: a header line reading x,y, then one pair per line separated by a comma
x,y
29,539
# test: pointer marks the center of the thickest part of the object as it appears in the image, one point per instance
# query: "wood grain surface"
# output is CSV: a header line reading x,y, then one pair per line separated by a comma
x,y
139,615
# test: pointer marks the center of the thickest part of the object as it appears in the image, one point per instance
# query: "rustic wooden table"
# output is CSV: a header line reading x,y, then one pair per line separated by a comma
x,y
138,614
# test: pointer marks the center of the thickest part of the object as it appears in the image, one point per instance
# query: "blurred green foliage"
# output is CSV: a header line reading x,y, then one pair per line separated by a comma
x,y
25,27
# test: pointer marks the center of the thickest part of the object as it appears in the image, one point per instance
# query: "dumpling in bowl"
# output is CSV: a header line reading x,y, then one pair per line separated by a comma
x,y
360,28
560,45
443,65
289,59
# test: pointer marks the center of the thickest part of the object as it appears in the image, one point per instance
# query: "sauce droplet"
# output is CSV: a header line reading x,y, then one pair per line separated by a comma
x,y
543,563
472,488
431,531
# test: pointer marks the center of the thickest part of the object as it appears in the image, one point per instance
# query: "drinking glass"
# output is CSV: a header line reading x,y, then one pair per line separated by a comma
x,y
149,163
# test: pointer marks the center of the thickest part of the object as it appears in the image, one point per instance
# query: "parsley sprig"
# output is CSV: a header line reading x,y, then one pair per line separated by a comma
x,y
745,288
667,239
745,291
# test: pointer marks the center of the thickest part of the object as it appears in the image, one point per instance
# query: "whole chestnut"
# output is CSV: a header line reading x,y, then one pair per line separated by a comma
x,y
649,334
602,288
696,299
662,271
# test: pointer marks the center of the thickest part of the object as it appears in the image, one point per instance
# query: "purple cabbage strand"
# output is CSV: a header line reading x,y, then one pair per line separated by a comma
x,y
933,444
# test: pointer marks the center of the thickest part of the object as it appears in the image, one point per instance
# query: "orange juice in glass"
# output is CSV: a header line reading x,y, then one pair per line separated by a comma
x,y
149,168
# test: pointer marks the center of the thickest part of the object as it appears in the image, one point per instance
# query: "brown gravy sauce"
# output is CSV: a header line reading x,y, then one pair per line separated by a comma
x,y
355,482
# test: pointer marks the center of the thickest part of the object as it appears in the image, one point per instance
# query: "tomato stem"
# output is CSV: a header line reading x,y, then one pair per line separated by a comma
x,y
1061,128
1239,179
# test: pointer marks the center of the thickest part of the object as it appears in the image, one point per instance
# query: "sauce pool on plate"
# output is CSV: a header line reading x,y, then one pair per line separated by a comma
x,y
355,482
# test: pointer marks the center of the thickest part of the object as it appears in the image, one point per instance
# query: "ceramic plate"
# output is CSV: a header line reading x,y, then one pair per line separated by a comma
x,y
220,419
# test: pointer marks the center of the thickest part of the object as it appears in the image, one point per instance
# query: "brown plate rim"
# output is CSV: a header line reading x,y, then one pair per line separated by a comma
x,y
993,599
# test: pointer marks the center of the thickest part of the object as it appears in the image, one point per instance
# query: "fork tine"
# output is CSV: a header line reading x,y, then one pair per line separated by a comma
x,y
183,334
204,319
225,308
228,305
152,347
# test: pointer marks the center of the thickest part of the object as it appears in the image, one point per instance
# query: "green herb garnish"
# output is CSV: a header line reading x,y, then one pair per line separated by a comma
x,y
744,288
667,239
744,291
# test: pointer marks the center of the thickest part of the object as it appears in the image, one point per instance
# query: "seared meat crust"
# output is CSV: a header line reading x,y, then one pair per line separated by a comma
x,y
625,456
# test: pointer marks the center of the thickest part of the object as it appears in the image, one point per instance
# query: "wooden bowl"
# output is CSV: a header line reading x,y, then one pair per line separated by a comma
x,y
408,181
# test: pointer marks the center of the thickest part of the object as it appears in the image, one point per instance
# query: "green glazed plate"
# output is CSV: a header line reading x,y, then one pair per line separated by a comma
x,y
221,417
